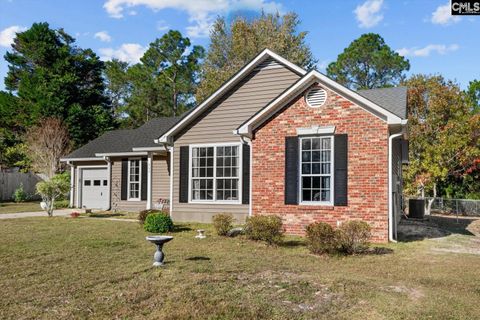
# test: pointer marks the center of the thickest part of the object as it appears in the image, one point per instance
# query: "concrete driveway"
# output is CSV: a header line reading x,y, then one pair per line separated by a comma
x,y
59,212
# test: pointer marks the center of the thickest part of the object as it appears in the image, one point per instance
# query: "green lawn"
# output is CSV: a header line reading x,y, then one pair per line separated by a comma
x,y
13,207
59,268
28,206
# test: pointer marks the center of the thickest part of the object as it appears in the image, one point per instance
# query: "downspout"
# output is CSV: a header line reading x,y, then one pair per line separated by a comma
x,y
390,185
109,174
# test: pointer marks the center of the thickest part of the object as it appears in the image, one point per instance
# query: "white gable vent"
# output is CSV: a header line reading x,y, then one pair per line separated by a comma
x,y
316,97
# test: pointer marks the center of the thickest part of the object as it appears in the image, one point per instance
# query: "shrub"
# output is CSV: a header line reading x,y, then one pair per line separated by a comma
x,y
265,228
321,238
20,195
59,204
142,215
222,223
353,236
158,223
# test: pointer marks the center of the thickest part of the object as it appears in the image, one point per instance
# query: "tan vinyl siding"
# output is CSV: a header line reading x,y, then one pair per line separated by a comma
x,y
116,185
216,125
160,178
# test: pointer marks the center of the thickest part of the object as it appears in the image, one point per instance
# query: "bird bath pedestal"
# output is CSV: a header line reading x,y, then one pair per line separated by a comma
x,y
159,256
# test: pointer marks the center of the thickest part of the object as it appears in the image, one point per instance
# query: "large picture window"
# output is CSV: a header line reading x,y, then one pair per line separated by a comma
x,y
134,179
316,178
215,172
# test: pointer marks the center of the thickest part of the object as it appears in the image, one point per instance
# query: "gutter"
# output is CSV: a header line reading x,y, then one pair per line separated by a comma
x,y
120,154
390,185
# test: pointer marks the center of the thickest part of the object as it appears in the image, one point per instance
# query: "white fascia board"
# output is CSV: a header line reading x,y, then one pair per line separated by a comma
x,y
228,85
114,154
342,90
308,79
149,149
284,61
79,159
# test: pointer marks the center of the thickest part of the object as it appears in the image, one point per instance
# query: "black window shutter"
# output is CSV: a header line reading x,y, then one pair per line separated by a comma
x,y
340,170
124,182
291,170
246,174
144,180
183,176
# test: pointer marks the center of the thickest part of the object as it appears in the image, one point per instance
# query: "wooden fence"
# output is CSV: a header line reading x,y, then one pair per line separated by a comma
x,y
11,179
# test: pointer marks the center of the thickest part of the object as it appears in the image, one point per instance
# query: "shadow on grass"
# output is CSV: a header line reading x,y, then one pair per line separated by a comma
x,y
105,215
181,228
292,243
198,258
378,251
434,226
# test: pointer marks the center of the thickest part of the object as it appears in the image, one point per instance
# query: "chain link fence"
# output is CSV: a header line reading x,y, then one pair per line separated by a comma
x,y
462,207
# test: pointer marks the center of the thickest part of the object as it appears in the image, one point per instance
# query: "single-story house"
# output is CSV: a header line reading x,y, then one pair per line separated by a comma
x,y
274,139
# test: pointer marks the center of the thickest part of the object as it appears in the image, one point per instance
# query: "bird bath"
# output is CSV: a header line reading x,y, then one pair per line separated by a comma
x,y
159,256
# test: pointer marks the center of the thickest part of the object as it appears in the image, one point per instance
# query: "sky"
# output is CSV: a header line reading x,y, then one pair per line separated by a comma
x,y
421,30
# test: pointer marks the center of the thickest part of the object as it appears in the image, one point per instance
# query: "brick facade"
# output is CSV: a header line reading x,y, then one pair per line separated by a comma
x,y
367,165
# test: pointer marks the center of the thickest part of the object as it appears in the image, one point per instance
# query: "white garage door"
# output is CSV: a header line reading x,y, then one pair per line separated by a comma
x,y
95,188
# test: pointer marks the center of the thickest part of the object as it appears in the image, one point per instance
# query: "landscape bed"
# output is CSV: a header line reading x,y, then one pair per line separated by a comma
x,y
92,268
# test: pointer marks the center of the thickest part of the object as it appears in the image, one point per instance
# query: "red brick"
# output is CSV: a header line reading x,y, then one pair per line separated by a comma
x,y
367,165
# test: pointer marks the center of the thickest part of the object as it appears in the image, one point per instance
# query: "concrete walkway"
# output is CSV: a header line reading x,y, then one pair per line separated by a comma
x,y
56,213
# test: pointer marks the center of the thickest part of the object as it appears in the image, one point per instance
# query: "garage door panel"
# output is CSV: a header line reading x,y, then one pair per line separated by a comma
x,y
95,188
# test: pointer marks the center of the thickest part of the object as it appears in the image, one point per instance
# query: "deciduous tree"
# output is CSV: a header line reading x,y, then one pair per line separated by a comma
x,y
46,143
443,134
234,44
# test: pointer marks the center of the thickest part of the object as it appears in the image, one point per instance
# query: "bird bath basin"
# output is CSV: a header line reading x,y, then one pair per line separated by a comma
x,y
159,241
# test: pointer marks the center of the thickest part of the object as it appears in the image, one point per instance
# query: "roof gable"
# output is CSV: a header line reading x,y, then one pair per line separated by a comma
x,y
307,80
266,59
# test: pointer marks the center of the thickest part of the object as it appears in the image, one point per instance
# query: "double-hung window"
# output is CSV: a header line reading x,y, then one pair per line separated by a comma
x,y
316,170
215,173
134,175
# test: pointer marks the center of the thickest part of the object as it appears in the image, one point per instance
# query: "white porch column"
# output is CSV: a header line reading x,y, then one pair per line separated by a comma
x,y
149,181
72,184
170,200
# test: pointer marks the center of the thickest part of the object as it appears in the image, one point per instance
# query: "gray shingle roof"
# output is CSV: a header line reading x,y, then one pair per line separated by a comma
x,y
393,99
125,140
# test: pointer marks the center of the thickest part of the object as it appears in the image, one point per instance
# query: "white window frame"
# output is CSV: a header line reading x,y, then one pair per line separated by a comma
x,y
240,171
139,180
332,173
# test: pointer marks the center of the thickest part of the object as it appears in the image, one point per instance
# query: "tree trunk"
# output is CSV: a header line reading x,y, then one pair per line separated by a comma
x,y
50,207
430,202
